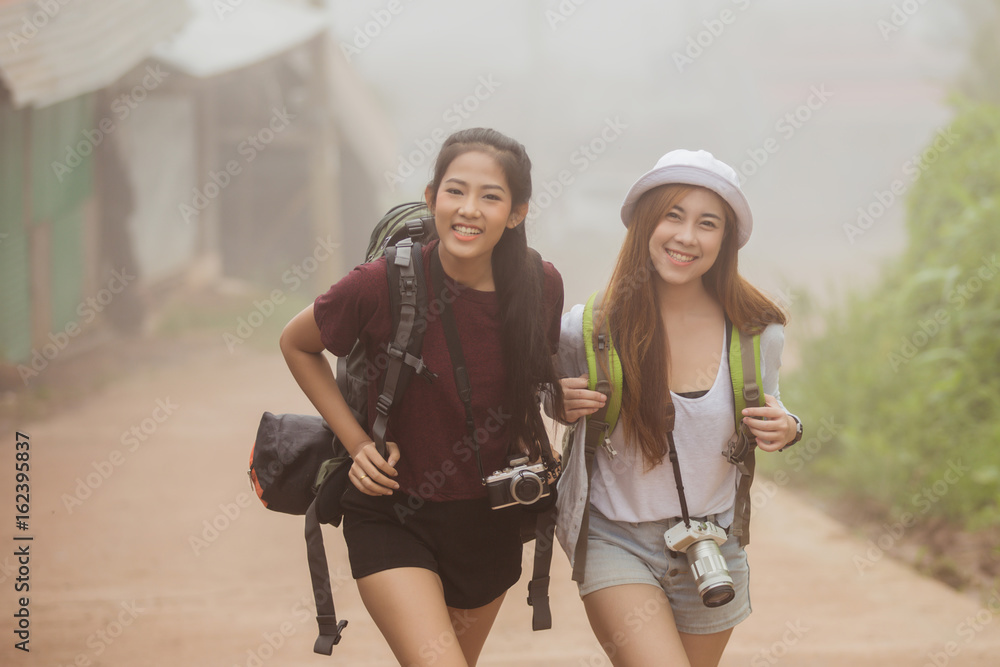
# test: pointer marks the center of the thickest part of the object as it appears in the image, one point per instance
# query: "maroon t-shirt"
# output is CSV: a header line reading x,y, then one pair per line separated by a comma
x,y
437,461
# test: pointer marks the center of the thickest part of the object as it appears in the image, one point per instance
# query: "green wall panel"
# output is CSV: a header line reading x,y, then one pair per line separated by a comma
x,y
15,298
66,268
63,135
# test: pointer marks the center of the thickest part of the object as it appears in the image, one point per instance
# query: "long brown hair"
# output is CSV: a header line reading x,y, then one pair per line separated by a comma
x,y
633,313
519,279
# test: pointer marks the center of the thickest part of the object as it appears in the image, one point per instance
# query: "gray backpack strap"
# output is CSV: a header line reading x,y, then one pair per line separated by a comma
x,y
408,303
326,616
408,299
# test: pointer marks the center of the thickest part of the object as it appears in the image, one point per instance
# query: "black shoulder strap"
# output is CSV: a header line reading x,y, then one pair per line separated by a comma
x,y
408,304
326,616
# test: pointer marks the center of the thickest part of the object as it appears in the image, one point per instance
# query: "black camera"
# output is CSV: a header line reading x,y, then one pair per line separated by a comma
x,y
521,483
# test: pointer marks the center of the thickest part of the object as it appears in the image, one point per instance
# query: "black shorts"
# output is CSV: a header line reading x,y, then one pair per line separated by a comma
x,y
475,550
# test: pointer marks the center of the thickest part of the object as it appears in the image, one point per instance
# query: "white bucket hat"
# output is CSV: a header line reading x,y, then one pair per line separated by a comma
x,y
695,168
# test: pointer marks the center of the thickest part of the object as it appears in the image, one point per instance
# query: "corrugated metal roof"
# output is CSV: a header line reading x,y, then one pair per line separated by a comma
x,y
53,50
229,34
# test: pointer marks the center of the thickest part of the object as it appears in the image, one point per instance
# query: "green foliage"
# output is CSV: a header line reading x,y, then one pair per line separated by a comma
x,y
909,369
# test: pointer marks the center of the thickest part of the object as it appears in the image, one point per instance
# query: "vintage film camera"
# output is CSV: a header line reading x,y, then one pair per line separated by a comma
x,y
701,544
521,483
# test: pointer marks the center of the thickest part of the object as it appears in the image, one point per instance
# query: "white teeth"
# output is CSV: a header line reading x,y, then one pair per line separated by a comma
x,y
468,231
679,257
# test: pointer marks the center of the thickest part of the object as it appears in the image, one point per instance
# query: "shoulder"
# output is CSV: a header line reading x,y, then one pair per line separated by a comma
x,y
553,283
772,343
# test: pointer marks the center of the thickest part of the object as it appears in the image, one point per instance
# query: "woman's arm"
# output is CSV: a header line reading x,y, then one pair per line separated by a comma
x,y
303,348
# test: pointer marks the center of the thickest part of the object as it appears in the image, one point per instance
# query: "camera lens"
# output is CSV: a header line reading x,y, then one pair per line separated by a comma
x,y
711,574
526,488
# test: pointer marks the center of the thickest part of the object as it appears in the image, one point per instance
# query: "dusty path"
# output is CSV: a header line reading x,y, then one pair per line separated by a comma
x,y
119,576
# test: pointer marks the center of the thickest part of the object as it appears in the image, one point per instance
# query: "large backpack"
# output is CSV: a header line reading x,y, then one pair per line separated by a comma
x,y
298,466
605,375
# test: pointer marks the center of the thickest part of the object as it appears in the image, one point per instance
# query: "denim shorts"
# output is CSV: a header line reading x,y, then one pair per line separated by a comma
x,y
620,553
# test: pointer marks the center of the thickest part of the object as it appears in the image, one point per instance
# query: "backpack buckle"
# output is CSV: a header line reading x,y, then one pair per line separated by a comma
x,y
408,285
415,228
383,404
602,342
737,449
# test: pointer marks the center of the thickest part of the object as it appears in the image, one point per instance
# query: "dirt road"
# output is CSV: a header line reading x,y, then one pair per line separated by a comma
x,y
150,549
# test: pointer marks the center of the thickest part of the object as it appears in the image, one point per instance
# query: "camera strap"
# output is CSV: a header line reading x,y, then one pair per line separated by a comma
x,y
462,382
538,587
675,463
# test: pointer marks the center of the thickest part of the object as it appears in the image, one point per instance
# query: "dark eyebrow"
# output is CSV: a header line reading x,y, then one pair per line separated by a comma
x,y
704,215
488,186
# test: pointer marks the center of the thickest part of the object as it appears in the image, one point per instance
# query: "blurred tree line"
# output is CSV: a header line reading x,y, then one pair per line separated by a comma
x,y
908,372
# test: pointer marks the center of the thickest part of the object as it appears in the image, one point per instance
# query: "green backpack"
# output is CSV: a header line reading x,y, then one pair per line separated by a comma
x,y
605,375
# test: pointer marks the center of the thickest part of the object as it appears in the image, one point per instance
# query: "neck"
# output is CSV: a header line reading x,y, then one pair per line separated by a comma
x,y
476,274
680,299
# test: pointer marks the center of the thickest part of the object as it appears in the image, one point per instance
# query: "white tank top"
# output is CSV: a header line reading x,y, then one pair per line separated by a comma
x,y
623,490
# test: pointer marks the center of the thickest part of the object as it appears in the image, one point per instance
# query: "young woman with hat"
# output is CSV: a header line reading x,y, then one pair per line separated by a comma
x,y
674,291
432,559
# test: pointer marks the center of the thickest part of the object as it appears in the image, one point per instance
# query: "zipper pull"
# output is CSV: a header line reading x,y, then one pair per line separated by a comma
x,y
607,443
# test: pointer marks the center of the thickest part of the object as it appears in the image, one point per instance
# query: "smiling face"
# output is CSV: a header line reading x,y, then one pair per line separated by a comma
x,y
686,241
472,208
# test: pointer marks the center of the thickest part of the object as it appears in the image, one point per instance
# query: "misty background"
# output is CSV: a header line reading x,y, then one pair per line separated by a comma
x,y
566,68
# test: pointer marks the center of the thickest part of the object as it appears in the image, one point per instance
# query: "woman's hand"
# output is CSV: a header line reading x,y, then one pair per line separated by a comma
x,y
770,424
578,401
371,474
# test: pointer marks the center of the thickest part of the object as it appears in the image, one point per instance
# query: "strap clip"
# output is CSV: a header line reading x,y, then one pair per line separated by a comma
x,y
408,285
383,404
538,587
415,228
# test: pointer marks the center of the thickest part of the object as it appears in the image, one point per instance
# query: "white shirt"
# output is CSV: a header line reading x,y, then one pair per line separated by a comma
x,y
624,490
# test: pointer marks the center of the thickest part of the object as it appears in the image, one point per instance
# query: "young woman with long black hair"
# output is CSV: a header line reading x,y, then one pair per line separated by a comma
x,y
431,558
673,291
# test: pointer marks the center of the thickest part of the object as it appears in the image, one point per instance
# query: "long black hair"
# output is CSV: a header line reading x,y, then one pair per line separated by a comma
x,y
519,280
